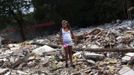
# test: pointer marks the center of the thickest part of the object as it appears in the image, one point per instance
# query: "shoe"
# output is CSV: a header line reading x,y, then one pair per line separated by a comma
x,y
73,66
66,65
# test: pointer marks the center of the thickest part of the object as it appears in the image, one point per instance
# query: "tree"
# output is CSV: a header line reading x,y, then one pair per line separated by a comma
x,y
14,9
81,12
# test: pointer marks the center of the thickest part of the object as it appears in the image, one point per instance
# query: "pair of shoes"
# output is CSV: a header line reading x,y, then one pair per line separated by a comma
x,y
66,65
73,66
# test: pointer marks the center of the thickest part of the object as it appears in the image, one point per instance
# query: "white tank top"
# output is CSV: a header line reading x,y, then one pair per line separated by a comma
x,y
66,35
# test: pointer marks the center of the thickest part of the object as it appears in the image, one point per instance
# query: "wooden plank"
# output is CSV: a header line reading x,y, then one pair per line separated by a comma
x,y
51,45
105,49
94,50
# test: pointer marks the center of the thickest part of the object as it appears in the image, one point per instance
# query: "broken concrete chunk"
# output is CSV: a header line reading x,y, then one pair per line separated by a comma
x,y
77,73
94,56
31,63
31,58
77,54
60,64
94,46
44,55
42,41
8,73
3,70
131,61
127,57
130,32
13,45
21,72
132,44
91,62
130,54
43,49
126,71
45,60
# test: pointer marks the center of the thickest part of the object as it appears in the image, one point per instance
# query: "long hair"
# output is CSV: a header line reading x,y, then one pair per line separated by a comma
x,y
68,25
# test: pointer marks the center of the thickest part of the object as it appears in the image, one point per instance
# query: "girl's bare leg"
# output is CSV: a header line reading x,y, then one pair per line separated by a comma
x,y
66,55
70,54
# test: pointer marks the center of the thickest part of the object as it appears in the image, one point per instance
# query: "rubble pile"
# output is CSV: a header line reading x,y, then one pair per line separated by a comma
x,y
114,36
45,56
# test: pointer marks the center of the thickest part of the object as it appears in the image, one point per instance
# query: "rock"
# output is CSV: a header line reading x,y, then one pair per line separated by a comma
x,y
60,64
3,70
126,71
130,54
130,32
46,56
91,62
131,61
21,72
94,46
12,59
31,58
8,73
94,56
127,38
42,41
13,45
31,63
113,61
131,44
64,72
43,49
45,60
78,73
77,54
127,57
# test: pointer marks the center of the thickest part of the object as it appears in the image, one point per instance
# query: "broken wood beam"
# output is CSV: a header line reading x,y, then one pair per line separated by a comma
x,y
51,45
105,49
94,50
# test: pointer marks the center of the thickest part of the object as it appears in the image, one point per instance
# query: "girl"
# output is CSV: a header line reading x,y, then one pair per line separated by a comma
x,y
66,38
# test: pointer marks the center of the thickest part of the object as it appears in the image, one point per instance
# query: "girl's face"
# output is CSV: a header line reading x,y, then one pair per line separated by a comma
x,y
64,24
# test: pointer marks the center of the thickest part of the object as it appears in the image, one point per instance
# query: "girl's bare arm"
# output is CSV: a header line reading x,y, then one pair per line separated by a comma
x,y
60,38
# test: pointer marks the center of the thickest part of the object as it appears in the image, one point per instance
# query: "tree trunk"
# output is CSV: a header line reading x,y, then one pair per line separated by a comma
x,y
21,30
20,24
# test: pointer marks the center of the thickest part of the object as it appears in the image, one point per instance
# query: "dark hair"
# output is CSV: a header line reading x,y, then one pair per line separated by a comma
x,y
68,25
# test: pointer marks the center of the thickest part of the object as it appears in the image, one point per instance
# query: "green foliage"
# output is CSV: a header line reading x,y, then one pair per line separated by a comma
x,y
78,12
12,8
16,5
41,10
12,11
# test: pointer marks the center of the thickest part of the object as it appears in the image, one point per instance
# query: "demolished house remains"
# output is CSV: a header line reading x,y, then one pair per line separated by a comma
x,y
104,50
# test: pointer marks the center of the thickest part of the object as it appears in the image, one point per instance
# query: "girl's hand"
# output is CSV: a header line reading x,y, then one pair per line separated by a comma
x,y
75,39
